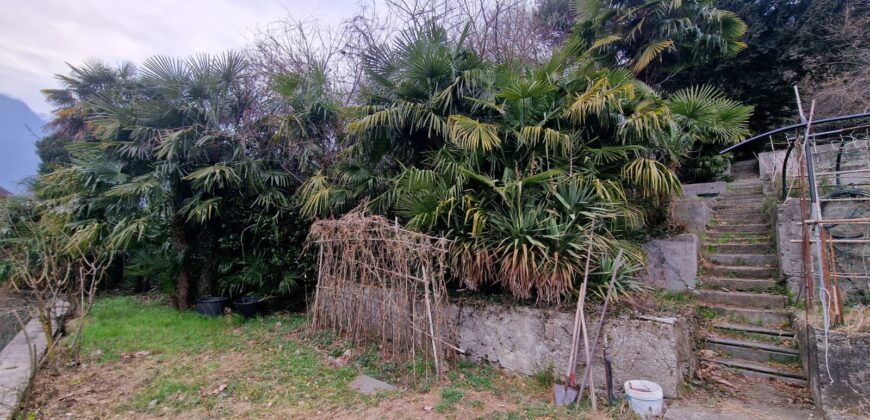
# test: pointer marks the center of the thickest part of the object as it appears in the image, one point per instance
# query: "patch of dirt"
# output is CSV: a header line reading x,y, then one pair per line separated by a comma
x,y
88,390
730,395
106,390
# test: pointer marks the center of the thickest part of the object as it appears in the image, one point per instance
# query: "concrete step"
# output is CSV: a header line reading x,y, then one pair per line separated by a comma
x,y
744,182
752,350
741,206
741,271
765,317
761,370
739,214
743,191
755,329
743,285
742,299
741,194
748,163
731,239
747,192
746,200
738,248
761,236
760,228
727,219
755,260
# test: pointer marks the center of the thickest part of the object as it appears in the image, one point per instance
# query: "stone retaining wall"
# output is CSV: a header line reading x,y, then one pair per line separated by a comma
x,y
850,257
837,379
17,362
532,340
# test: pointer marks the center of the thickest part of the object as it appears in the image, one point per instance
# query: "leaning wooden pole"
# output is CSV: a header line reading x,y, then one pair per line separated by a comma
x,y
614,270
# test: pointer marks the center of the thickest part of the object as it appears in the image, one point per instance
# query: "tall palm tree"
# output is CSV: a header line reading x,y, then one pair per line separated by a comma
x,y
658,38
186,160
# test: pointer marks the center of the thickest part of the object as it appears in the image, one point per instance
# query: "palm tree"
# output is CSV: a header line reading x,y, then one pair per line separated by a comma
x,y
658,38
522,167
189,161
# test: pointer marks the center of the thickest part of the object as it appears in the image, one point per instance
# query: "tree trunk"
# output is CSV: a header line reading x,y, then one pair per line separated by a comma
x,y
182,287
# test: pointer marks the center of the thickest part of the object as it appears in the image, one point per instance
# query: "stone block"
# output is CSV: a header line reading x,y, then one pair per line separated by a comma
x,y
672,263
16,366
692,214
704,189
788,215
367,385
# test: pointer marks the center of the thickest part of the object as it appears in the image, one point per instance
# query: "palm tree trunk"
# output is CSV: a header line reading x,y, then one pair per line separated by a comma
x,y
182,287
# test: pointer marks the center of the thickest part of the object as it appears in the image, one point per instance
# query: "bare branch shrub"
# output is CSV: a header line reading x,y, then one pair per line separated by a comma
x,y
61,278
848,90
38,265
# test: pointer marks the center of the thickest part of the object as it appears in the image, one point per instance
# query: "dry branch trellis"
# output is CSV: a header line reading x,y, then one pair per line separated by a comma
x,y
378,282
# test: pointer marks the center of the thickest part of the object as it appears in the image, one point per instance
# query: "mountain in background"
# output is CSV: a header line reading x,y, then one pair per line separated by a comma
x,y
20,128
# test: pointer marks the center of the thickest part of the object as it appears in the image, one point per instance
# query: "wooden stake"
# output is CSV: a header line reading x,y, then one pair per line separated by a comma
x,y
431,327
572,359
317,287
615,268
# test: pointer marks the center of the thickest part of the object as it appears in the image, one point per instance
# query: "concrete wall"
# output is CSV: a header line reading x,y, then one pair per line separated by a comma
x,y
532,340
788,215
850,257
707,188
692,214
770,164
672,263
837,381
825,156
17,361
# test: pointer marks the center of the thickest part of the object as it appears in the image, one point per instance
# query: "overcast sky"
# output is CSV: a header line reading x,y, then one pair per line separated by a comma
x,y
37,37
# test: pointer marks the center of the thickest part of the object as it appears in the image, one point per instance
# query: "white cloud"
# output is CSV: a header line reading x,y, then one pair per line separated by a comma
x,y
37,37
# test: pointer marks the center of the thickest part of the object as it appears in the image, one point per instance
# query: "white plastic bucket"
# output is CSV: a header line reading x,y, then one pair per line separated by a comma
x,y
644,397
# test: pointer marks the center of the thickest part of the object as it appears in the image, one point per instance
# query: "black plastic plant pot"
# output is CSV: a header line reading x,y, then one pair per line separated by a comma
x,y
249,306
212,306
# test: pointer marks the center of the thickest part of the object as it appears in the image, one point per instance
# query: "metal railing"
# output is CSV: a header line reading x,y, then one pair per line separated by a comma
x,y
832,182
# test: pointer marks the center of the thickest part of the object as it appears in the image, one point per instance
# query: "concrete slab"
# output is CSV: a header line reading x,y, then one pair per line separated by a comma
x,y
17,367
672,263
742,410
370,386
18,361
704,189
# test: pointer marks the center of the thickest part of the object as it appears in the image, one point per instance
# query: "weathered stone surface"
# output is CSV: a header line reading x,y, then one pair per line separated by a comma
x,y
367,385
532,340
788,215
825,157
838,372
704,189
770,164
849,255
655,349
692,214
17,361
672,263
16,366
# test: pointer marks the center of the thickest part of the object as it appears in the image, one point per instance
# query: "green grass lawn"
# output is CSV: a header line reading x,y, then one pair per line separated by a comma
x,y
143,358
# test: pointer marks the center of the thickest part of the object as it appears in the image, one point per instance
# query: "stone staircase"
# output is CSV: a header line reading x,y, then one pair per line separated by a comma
x,y
739,289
